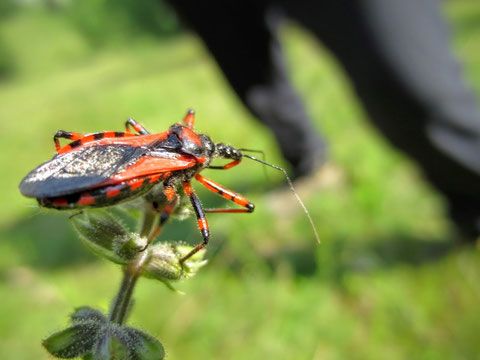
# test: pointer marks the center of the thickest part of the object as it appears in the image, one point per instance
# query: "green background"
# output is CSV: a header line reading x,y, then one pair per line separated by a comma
x,y
387,281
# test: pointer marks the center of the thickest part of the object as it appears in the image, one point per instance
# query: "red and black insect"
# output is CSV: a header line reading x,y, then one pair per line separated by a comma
x,y
106,168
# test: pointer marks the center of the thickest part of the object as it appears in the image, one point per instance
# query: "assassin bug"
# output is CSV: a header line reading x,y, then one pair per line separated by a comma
x,y
106,168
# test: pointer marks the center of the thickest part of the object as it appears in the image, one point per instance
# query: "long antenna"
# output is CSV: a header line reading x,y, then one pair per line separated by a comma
x,y
290,184
263,158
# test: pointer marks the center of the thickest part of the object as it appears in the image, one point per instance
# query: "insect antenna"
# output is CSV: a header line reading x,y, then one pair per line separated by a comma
x,y
290,184
263,158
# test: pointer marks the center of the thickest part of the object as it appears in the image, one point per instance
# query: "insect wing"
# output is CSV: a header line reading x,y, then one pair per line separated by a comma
x,y
78,170
153,163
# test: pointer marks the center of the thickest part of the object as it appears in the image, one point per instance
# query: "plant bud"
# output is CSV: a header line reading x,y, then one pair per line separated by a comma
x,y
164,263
106,236
127,247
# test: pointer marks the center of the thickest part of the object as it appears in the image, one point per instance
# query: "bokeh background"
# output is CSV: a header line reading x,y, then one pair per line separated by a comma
x,y
387,280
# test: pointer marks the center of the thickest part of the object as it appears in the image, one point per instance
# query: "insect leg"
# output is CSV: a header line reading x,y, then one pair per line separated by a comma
x,y
81,139
164,216
189,119
62,134
227,194
201,220
226,166
136,126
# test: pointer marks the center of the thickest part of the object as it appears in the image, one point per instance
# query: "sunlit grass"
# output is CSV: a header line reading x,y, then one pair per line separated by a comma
x,y
385,282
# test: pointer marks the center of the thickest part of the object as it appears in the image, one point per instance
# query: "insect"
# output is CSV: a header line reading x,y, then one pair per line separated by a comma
x,y
107,168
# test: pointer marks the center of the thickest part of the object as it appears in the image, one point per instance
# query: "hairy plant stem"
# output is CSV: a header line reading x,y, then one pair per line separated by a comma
x,y
131,272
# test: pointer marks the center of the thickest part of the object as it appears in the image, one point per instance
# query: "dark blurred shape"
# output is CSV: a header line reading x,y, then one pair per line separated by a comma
x,y
397,55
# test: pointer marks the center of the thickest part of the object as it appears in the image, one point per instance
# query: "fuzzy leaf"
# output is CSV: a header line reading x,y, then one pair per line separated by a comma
x,y
85,313
99,231
112,345
147,347
72,342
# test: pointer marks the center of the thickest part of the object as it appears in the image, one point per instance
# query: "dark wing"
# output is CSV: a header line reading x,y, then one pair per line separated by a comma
x,y
78,170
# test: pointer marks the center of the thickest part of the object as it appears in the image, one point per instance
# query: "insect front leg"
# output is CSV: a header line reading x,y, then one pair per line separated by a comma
x,y
139,128
62,134
201,220
226,166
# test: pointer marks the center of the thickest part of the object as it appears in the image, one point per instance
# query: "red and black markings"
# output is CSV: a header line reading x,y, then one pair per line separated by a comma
x,y
164,216
201,220
189,119
84,139
139,128
114,138
103,196
169,192
227,194
187,134
62,134
106,168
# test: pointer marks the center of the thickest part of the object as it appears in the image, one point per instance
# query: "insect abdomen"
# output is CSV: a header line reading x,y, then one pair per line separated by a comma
x,y
104,196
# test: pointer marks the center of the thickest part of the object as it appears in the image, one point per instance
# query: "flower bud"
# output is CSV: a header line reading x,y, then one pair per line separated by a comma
x,y
164,263
127,247
106,236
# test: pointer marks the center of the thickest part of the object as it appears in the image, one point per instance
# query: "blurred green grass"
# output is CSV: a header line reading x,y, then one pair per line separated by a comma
x,y
386,282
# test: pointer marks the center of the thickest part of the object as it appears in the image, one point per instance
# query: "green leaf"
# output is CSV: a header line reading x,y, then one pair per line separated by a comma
x,y
147,347
99,231
85,313
112,345
72,342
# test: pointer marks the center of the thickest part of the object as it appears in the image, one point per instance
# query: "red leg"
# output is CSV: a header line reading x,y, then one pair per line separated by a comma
x,y
136,126
227,194
80,139
201,220
167,210
62,134
164,216
189,119
227,166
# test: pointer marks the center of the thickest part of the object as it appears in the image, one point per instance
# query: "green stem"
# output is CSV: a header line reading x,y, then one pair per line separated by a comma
x,y
120,306
132,271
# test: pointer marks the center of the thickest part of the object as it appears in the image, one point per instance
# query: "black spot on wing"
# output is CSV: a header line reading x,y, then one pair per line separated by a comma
x,y
78,170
